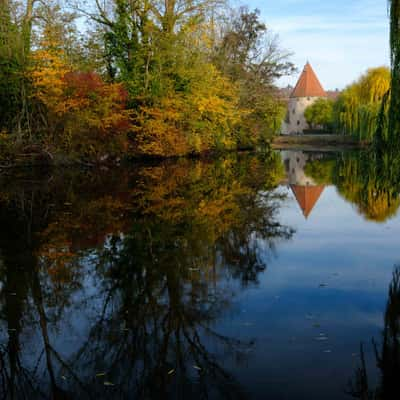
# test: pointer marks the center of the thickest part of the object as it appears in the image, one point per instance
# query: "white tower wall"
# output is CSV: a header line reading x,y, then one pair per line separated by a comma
x,y
295,122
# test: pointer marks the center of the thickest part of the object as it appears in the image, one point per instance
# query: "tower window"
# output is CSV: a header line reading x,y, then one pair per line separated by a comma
x,y
298,122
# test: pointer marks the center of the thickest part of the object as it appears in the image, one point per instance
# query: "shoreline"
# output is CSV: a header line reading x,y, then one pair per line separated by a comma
x,y
40,158
325,142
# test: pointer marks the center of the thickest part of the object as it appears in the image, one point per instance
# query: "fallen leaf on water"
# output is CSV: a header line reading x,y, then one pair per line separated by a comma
x,y
101,374
171,371
196,367
63,377
106,383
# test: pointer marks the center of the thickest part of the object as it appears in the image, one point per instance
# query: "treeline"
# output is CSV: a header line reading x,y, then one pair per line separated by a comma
x,y
370,107
140,77
357,109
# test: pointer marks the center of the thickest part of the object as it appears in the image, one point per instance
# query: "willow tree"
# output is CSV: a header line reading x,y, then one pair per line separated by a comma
x,y
358,108
394,113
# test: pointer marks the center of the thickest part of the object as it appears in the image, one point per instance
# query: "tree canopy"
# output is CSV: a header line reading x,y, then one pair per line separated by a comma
x,y
138,77
320,114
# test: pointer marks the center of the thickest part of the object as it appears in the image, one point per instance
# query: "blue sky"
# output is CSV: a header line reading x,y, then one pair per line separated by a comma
x,y
340,38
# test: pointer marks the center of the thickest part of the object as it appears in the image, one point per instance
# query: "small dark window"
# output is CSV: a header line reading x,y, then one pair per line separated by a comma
x,y
293,111
298,122
308,98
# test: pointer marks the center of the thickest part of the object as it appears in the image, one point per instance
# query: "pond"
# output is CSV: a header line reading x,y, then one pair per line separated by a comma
x,y
246,277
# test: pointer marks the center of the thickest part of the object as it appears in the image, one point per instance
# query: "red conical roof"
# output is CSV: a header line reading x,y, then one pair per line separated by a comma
x,y
307,197
308,84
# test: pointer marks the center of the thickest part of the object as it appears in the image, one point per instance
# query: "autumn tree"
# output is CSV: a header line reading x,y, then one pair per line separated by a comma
x,y
252,57
188,80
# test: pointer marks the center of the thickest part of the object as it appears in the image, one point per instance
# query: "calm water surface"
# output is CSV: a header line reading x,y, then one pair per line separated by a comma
x,y
249,277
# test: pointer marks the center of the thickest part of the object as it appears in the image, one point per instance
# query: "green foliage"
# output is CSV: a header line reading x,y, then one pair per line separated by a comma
x,y
251,57
321,171
356,112
12,63
190,89
368,179
320,114
394,111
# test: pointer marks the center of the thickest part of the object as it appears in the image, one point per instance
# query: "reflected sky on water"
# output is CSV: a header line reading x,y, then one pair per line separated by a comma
x,y
246,277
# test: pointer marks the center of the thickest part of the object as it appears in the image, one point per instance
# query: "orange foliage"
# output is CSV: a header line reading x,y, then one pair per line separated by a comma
x,y
158,130
92,113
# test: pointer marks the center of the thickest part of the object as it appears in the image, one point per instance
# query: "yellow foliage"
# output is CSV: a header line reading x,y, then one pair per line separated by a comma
x,y
47,73
199,120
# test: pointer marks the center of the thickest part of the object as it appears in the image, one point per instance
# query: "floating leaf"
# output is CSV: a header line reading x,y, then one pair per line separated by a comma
x,y
171,371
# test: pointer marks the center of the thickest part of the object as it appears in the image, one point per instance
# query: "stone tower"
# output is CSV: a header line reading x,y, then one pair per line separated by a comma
x,y
307,90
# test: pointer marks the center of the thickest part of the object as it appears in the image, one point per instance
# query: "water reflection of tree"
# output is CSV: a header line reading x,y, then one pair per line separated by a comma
x,y
160,280
369,179
387,354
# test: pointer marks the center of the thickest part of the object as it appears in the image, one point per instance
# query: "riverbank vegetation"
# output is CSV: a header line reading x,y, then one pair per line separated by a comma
x,y
394,110
357,109
320,115
369,108
97,80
